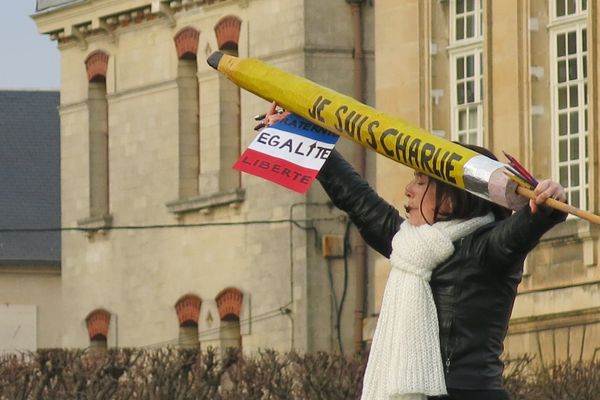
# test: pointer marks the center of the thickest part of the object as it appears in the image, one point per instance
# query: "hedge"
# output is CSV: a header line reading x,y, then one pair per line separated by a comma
x,y
175,374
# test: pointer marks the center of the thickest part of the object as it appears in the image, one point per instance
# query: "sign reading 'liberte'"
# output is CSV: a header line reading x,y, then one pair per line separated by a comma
x,y
289,153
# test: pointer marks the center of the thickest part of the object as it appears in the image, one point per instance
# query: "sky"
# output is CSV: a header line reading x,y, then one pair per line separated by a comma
x,y
28,60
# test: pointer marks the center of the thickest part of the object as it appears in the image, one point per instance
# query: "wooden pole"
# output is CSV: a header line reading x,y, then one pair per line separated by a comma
x,y
560,206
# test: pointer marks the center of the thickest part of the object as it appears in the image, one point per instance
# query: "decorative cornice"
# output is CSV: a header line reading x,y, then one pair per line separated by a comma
x,y
104,25
79,106
142,90
186,42
96,65
229,302
554,321
93,224
554,288
572,229
207,203
188,309
227,31
30,267
97,323
92,25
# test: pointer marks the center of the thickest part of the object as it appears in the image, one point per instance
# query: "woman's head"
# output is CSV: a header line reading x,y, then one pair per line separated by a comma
x,y
430,200
421,200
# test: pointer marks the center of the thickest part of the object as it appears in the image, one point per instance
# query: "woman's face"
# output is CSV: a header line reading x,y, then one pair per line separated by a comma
x,y
420,200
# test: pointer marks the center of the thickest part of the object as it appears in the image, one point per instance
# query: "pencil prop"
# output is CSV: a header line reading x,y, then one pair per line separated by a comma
x,y
521,170
518,179
388,136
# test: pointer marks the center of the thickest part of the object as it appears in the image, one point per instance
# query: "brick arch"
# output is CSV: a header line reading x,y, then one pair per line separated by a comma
x,y
229,303
186,42
96,65
97,324
227,31
188,309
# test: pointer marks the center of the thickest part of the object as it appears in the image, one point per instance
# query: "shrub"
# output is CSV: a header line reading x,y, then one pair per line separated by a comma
x,y
565,380
175,374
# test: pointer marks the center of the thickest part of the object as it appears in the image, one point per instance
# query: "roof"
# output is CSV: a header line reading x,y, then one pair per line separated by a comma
x,y
29,175
46,4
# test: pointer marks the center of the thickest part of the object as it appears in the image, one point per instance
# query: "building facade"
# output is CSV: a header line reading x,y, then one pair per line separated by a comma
x,y
518,76
175,247
172,246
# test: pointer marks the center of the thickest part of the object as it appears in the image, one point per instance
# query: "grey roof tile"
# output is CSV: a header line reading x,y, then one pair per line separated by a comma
x,y
29,175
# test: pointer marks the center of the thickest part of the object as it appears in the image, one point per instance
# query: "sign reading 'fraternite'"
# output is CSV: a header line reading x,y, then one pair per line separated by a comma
x,y
289,153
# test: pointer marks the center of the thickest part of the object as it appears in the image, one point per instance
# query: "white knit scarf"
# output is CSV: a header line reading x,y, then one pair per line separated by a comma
x,y
405,361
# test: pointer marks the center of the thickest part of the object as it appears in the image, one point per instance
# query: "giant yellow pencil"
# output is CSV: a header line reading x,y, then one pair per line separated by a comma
x,y
391,137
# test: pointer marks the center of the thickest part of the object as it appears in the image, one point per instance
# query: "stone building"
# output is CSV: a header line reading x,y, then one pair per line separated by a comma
x,y
176,247
30,278
519,76
172,246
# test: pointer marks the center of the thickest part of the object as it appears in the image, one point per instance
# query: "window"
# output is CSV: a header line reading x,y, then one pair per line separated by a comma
x,y
468,97
229,302
209,145
188,312
96,66
466,71
97,323
466,20
568,52
227,32
186,43
567,8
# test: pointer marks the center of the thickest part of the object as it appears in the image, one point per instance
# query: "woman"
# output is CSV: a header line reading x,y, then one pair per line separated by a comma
x,y
456,263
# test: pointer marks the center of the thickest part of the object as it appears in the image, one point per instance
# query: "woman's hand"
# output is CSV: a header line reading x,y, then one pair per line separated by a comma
x,y
275,114
544,190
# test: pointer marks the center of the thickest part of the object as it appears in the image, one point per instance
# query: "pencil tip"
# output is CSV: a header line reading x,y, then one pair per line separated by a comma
x,y
214,59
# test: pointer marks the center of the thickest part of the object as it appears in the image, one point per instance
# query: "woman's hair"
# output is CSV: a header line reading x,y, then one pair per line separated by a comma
x,y
464,204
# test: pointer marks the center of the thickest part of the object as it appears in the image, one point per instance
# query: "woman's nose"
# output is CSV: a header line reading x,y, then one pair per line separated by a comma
x,y
407,190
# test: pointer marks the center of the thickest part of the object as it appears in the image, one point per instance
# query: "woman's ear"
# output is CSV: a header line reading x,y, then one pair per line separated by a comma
x,y
446,206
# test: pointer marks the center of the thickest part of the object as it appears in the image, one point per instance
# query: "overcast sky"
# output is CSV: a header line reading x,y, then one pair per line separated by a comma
x,y
28,60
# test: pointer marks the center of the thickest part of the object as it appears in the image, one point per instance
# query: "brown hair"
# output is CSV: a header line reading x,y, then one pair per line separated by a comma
x,y
464,204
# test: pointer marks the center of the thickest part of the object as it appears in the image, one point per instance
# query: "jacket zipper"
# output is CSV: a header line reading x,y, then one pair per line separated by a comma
x,y
448,355
447,362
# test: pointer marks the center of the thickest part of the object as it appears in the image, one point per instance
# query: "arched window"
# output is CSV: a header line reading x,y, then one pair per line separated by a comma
x,y
97,323
188,312
186,44
96,65
227,31
229,302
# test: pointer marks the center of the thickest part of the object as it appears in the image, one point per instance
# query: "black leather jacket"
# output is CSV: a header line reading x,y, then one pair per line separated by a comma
x,y
474,289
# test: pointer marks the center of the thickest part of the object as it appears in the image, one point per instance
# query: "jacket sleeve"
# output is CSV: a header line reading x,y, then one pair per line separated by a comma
x,y
511,239
376,220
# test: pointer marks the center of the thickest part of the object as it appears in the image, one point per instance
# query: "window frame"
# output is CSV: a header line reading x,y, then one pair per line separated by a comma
x,y
478,103
564,26
462,48
479,30
581,10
